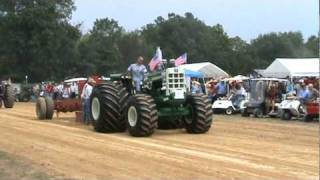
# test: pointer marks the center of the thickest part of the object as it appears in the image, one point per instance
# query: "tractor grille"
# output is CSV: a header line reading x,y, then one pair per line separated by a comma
x,y
176,81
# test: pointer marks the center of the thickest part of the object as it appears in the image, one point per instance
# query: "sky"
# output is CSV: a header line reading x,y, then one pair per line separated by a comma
x,y
244,18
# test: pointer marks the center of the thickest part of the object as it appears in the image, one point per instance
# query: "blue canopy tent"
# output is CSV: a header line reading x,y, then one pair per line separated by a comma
x,y
194,74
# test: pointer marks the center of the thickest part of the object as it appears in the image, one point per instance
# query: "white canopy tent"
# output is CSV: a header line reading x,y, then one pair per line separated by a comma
x,y
239,78
287,67
208,70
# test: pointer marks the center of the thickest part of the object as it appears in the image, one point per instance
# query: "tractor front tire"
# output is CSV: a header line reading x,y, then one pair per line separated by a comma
x,y
200,119
142,115
9,97
41,108
105,109
50,107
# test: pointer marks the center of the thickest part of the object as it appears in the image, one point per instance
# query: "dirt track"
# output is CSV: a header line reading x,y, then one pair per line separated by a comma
x,y
235,148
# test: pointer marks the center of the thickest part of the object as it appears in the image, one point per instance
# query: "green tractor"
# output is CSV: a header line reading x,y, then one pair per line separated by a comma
x,y
164,102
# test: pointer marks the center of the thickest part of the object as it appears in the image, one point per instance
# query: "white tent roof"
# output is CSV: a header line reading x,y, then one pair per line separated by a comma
x,y
284,67
207,69
238,78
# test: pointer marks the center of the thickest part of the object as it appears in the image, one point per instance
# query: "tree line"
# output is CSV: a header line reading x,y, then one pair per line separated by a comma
x,y
37,39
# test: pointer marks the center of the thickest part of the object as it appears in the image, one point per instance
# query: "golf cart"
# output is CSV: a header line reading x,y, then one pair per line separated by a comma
x,y
258,103
228,104
292,107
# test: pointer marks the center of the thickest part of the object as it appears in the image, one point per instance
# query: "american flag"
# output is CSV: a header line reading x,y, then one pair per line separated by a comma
x,y
156,60
181,60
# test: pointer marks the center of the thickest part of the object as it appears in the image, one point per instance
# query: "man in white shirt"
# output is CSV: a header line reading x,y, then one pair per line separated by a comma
x,y
85,96
74,90
137,71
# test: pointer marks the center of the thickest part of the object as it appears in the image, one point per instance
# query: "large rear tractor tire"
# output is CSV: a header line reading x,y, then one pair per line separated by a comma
x,y
142,115
123,101
41,108
9,97
50,107
105,109
200,119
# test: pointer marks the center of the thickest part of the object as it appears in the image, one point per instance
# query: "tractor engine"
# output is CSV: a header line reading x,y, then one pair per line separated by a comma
x,y
175,83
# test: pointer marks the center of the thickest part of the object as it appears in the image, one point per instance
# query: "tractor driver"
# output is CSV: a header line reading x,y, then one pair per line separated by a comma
x,y
137,71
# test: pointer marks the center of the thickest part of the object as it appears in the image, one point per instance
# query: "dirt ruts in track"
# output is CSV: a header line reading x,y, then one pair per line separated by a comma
x,y
234,148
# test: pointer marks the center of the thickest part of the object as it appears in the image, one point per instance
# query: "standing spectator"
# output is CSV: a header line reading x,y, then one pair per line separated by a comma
x,y
60,90
66,92
55,92
74,90
221,89
49,89
85,96
211,89
137,71
43,89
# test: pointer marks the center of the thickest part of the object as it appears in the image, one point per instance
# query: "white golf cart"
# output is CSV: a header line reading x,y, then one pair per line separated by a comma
x,y
291,107
225,104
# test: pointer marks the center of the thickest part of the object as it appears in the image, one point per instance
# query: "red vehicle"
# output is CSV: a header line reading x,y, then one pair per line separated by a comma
x,y
46,106
312,111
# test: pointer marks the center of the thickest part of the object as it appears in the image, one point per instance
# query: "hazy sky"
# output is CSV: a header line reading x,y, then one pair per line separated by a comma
x,y
244,18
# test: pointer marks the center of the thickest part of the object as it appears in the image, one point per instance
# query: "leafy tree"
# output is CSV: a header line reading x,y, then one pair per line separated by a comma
x,y
276,45
312,46
179,34
100,52
36,39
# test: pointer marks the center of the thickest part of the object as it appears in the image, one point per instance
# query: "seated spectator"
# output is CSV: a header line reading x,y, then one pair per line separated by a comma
x,y
303,93
272,94
314,93
239,95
